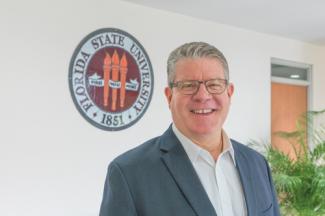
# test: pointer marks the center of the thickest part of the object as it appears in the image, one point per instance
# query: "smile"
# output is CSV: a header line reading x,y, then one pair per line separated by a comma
x,y
202,111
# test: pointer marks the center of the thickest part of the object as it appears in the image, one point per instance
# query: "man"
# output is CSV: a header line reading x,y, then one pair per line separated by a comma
x,y
193,168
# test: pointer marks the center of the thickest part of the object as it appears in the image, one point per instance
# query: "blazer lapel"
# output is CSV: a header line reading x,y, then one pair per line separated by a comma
x,y
179,165
246,180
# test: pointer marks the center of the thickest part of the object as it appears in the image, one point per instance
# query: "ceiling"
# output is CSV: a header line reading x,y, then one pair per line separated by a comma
x,y
303,20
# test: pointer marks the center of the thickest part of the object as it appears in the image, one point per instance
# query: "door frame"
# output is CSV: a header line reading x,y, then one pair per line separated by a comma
x,y
308,83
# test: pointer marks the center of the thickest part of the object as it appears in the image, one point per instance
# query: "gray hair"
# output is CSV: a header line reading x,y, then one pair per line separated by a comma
x,y
194,50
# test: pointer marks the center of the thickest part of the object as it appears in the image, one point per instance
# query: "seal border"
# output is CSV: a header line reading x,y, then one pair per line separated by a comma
x,y
75,53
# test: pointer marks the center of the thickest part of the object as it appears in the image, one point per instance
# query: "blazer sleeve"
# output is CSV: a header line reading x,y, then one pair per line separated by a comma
x,y
117,199
274,195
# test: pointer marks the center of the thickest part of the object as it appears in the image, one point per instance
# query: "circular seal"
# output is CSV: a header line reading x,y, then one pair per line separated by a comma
x,y
111,79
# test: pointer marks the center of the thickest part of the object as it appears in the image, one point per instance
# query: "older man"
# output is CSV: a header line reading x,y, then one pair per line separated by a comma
x,y
193,168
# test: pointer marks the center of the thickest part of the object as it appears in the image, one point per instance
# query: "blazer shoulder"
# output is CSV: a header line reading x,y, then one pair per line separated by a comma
x,y
246,151
141,154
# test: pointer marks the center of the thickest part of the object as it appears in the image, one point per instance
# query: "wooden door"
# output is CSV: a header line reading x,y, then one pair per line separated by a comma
x,y
288,102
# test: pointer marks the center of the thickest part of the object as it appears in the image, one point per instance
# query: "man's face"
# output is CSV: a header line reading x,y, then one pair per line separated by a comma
x,y
201,113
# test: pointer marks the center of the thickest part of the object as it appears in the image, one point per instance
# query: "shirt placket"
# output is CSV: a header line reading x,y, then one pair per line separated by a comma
x,y
224,193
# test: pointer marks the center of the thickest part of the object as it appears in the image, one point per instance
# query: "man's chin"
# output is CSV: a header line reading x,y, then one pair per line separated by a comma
x,y
203,130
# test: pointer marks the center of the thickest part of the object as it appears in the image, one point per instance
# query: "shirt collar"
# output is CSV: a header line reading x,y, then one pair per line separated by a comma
x,y
194,151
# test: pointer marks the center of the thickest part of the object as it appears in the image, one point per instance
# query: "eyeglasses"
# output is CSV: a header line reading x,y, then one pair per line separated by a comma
x,y
190,87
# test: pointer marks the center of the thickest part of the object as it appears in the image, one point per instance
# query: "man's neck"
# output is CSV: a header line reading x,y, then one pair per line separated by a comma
x,y
213,143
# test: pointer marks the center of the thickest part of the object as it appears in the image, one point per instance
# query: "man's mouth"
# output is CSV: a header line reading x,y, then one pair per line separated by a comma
x,y
202,111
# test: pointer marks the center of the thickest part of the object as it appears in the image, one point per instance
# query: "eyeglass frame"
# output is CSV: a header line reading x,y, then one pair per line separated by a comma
x,y
176,84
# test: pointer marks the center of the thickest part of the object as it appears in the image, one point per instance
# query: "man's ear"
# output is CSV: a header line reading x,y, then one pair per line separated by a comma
x,y
230,89
168,94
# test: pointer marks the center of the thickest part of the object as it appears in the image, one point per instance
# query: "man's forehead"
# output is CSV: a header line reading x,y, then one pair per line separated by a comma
x,y
204,65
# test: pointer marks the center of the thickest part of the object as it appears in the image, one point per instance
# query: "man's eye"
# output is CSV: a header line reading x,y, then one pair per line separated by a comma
x,y
214,85
188,85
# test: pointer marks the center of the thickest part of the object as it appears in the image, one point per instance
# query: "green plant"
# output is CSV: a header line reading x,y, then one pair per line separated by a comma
x,y
300,182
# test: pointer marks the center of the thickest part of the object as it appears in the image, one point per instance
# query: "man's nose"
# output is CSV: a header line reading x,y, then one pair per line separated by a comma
x,y
202,93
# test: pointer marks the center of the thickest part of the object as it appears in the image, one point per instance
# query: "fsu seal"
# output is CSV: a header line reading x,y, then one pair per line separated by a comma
x,y
111,79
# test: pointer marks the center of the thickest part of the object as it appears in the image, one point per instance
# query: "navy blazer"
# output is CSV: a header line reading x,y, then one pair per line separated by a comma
x,y
158,179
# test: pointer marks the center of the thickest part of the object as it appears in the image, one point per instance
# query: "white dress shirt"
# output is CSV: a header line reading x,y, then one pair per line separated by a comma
x,y
220,179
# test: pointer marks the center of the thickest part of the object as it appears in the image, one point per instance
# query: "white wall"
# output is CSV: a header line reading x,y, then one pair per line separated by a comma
x,y
52,161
